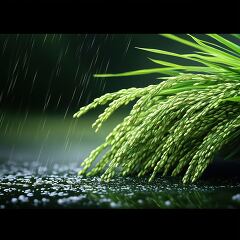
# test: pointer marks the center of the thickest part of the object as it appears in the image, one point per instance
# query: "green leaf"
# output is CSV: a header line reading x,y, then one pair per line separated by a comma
x,y
226,42
236,35
233,99
181,67
214,61
158,51
164,63
215,52
168,71
163,52
191,57
184,41
203,47
222,48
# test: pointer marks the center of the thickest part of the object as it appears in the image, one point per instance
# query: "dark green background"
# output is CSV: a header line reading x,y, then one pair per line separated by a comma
x,y
49,72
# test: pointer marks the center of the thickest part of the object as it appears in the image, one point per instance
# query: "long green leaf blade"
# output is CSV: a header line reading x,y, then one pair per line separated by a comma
x,y
168,70
233,99
226,42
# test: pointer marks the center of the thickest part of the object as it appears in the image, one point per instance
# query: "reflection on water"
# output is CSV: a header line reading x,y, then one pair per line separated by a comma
x,y
59,187
40,156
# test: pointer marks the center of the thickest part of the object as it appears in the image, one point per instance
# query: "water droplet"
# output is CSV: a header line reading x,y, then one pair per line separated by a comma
x,y
236,197
14,200
167,203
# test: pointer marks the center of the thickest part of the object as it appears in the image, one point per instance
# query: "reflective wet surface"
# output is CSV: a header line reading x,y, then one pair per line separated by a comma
x,y
60,187
40,157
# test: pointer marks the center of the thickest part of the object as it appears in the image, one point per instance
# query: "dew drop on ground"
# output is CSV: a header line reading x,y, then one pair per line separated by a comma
x,y
60,187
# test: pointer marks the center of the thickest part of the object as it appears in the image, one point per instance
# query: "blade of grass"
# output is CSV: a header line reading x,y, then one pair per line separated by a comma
x,y
203,47
233,99
164,63
226,42
236,36
216,52
169,71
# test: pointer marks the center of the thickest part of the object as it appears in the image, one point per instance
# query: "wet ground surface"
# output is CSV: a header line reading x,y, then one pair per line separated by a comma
x,y
40,157
28,185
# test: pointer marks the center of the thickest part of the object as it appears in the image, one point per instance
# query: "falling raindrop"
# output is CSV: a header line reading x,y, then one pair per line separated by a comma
x,y
33,81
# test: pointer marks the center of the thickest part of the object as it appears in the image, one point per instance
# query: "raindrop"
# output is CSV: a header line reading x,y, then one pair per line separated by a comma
x,y
44,39
4,45
22,198
167,203
236,197
14,200
34,78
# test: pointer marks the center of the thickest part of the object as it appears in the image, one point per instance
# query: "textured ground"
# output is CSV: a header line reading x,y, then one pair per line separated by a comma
x,y
40,156
32,186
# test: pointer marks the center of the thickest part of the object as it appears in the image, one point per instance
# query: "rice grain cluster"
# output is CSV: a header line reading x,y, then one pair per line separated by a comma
x,y
177,126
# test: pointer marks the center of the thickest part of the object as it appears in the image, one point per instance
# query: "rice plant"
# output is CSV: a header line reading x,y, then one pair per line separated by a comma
x,y
176,127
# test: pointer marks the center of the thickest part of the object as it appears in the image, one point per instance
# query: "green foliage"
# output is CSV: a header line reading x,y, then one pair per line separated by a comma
x,y
177,126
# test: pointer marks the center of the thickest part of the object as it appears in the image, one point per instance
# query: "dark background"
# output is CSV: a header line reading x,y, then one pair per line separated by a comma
x,y
46,78
54,72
